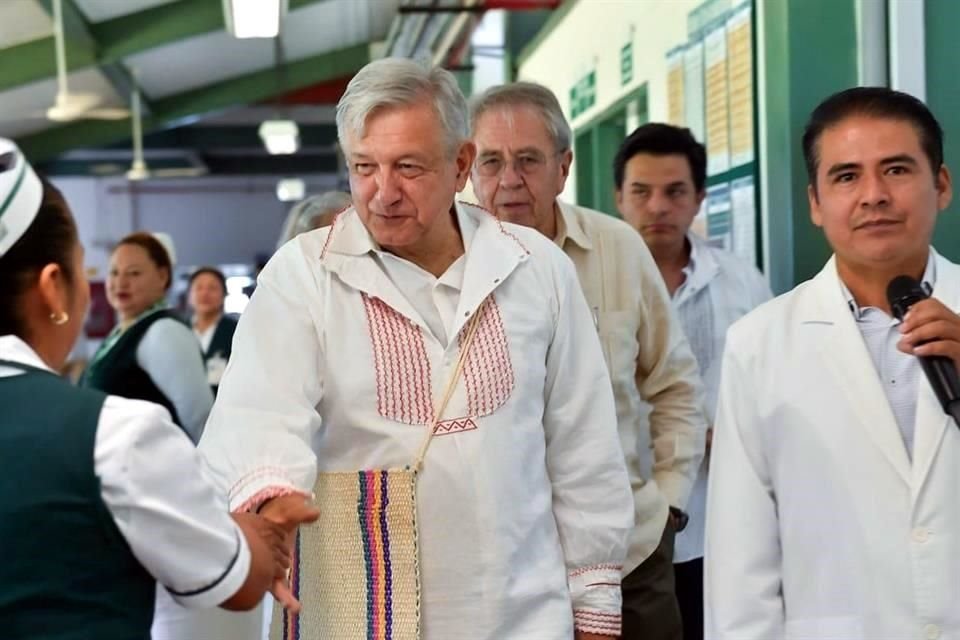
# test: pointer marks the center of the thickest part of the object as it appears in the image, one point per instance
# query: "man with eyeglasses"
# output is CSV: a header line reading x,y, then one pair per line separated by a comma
x,y
523,160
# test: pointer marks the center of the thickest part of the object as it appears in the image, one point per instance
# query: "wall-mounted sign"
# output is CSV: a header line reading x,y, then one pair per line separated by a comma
x,y
626,64
583,94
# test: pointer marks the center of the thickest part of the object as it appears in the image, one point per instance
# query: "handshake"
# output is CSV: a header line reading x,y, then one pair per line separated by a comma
x,y
270,535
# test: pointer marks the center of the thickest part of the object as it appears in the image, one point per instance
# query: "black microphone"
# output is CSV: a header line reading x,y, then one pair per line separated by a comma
x,y
902,293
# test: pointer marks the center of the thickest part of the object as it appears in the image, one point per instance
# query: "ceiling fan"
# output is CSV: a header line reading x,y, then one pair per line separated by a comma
x,y
68,106
139,170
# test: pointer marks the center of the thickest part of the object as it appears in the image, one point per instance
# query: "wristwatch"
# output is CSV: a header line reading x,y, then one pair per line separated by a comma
x,y
680,518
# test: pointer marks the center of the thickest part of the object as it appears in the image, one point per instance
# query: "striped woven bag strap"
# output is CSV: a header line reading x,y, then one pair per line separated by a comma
x,y
451,385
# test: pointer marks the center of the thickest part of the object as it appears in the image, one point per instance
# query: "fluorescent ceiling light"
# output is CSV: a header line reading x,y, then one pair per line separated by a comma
x,y
254,18
291,189
280,136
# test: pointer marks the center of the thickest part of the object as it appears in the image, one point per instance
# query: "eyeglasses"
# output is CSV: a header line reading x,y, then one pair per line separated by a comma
x,y
526,164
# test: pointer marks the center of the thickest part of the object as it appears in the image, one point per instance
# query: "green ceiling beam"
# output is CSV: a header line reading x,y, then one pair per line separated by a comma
x,y
36,60
255,87
112,40
262,85
136,32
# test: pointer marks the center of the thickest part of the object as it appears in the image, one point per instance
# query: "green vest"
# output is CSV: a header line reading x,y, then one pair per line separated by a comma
x,y
115,371
67,572
221,343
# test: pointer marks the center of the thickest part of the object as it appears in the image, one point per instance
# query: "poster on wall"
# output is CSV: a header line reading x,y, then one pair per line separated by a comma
x,y
740,72
675,105
693,90
744,214
718,124
719,216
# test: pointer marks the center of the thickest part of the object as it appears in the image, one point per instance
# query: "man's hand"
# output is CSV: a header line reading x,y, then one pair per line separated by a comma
x,y
289,512
930,322
583,635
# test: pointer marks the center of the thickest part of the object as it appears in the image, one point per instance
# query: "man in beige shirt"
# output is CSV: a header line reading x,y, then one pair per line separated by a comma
x,y
523,160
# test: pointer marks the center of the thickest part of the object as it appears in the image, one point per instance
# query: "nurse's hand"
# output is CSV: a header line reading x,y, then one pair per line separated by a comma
x,y
289,512
269,557
935,326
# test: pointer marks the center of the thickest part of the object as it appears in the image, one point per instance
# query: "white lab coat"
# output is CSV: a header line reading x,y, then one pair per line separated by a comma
x,y
524,503
732,287
818,523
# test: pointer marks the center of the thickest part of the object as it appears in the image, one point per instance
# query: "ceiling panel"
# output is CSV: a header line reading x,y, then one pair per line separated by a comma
x,y
22,21
197,62
24,107
314,29
100,10
334,24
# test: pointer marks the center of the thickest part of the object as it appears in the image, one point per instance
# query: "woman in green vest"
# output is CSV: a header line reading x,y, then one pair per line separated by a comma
x,y
214,330
151,354
101,497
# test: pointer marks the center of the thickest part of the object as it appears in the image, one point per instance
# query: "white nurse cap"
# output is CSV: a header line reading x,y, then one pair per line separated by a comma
x,y
21,193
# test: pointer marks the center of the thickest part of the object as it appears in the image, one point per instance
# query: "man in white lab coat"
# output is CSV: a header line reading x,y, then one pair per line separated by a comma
x,y
661,174
523,502
834,496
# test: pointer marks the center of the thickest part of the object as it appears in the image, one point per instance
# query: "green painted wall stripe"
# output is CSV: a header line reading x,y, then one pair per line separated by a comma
x,y
799,76
943,98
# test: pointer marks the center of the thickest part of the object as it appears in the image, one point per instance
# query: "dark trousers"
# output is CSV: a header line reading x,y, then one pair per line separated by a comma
x,y
650,610
689,580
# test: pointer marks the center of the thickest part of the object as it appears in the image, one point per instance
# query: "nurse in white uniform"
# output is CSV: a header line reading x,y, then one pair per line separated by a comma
x,y
102,497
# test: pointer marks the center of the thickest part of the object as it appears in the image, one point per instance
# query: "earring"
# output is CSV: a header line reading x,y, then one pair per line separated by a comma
x,y
60,318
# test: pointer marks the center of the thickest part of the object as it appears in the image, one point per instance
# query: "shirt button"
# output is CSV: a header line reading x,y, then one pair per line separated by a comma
x,y
931,632
920,535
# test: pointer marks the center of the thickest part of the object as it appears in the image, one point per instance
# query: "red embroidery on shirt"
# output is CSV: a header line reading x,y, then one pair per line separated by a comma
x,y
401,364
499,224
447,427
592,621
333,228
596,567
488,371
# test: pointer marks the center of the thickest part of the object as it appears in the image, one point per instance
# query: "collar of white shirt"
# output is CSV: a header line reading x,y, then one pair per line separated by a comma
x,y
929,280
700,270
570,227
14,349
350,237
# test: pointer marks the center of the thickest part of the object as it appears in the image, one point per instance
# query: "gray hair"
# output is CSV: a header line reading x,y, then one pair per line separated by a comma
x,y
400,82
531,94
312,213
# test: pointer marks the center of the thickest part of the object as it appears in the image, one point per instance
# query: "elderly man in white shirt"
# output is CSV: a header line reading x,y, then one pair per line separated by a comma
x,y
523,503
661,172
523,159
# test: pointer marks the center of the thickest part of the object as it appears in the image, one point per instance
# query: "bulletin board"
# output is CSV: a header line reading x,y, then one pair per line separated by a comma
x,y
711,89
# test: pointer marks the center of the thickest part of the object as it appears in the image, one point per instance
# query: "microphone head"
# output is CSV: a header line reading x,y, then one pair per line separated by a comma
x,y
902,293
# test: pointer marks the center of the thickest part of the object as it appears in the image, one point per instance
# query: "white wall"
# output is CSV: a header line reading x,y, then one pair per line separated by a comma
x,y
591,36
211,220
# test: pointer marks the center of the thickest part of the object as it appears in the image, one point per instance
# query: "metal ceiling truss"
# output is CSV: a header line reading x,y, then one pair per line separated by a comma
x,y
109,42
185,107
